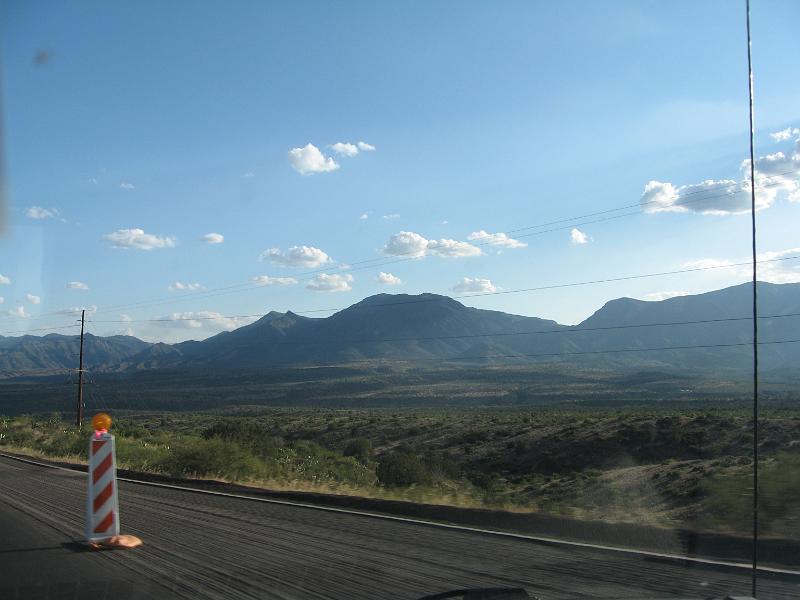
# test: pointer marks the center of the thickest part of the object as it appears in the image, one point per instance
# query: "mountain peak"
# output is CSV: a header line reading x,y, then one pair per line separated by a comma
x,y
423,326
271,316
395,299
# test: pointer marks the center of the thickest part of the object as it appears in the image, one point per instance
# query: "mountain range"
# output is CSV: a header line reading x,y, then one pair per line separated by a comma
x,y
430,327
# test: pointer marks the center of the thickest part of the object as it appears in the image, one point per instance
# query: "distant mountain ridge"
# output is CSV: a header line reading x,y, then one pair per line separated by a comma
x,y
428,327
31,353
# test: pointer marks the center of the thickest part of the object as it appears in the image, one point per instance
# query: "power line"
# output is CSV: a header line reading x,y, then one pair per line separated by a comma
x,y
522,355
409,256
418,300
394,259
39,329
464,296
651,202
566,328
579,353
12,373
626,278
515,291
318,342
399,257
598,213
637,205
640,204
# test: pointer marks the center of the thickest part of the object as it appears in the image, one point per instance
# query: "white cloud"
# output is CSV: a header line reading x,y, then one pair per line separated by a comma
x,y
93,180
658,296
37,212
706,263
576,236
388,279
4,280
213,238
138,239
495,239
33,299
452,249
76,285
407,243
188,287
2,300
364,216
248,175
201,319
125,330
390,217
413,245
331,283
19,311
779,271
445,222
659,196
345,149
127,186
775,271
469,285
310,160
776,174
350,150
267,280
709,197
296,256
786,134
76,310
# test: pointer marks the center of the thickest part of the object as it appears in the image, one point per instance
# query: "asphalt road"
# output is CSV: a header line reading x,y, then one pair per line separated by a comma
x,y
205,546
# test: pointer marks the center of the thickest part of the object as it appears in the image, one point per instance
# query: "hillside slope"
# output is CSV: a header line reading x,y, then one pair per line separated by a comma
x,y
429,327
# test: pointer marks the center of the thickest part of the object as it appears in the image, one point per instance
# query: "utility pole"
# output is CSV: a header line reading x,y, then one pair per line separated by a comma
x,y
79,408
754,576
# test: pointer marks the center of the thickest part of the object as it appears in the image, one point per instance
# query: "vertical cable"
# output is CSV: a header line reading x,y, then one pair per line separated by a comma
x,y
79,403
755,305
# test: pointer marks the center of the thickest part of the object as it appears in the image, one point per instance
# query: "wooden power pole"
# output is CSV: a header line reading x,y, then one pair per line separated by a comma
x,y
79,408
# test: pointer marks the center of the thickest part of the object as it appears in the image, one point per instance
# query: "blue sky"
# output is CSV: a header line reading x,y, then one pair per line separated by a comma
x,y
132,131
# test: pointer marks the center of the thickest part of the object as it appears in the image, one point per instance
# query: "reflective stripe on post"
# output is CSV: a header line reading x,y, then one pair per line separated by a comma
x,y
102,504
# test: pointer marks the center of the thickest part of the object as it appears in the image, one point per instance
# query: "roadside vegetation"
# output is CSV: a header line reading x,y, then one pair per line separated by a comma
x,y
670,468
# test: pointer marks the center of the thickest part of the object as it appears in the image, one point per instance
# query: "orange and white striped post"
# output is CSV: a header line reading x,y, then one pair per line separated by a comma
x,y
102,521
102,503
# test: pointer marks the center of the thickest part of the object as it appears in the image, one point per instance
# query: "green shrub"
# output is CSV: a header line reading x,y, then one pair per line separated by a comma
x,y
491,486
360,449
442,466
130,430
728,498
314,463
246,434
400,468
17,434
65,443
213,457
474,436
488,482
138,455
